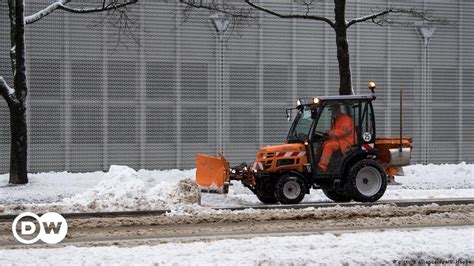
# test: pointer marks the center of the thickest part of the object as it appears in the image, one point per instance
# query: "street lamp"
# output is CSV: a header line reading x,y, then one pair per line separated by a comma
x,y
425,31
220,23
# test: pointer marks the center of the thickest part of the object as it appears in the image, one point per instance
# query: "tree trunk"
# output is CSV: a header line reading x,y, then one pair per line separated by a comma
x,y
17,103
18,150
345,80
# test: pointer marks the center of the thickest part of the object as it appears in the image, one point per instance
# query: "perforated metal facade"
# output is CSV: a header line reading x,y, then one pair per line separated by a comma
x,y
93,103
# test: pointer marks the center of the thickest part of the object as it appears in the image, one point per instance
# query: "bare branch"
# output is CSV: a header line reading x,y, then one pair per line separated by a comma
x,y
369,17
286,16
6,92
62,5
214,7
380,18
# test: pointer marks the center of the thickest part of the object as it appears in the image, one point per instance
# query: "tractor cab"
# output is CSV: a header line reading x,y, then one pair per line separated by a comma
x,y
316,125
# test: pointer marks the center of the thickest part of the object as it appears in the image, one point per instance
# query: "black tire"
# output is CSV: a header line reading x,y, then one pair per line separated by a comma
x,y
336,196
265,190
367,181
290,189
267,198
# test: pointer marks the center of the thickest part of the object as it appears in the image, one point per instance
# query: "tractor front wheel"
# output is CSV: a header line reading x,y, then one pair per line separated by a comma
x,y
336,196
367,181
290,189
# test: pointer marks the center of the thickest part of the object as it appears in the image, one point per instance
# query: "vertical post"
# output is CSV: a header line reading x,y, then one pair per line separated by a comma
x,y
105,102
178,86
142,91
67,96
401,119
260,81
221,23
425,32
460,83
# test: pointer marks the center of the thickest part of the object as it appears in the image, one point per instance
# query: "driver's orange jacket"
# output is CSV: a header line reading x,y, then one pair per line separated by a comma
x,y
341,137
342,130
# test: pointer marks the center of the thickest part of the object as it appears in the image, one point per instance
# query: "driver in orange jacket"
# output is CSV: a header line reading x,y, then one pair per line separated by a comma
x,y
341,136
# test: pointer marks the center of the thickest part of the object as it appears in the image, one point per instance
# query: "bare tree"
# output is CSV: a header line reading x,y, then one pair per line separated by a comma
x,y
339,24
15,96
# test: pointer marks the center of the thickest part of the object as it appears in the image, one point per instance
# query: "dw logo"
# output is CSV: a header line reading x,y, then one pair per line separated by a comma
x,y
51,228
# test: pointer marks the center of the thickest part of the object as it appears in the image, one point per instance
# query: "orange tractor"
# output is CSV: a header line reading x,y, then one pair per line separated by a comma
x,y
284,173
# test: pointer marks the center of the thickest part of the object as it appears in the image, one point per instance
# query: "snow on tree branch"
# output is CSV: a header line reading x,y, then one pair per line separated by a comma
x,y
290,16
369,17
62,5
5,90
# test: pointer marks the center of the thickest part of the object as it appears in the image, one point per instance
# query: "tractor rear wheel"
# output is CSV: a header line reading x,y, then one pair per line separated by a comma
x,y
367,181
290,189
332,194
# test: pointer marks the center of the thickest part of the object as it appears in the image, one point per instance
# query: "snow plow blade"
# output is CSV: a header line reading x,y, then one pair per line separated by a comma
x,y
212,173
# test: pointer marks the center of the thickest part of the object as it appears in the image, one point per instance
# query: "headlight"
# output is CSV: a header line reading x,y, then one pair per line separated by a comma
x,y
298,102
315,100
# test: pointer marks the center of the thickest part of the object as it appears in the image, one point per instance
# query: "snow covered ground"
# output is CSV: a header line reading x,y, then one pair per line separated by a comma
x,y
373,248
123,188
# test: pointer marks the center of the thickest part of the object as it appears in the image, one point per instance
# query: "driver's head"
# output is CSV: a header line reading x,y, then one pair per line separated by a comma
x,y
335,110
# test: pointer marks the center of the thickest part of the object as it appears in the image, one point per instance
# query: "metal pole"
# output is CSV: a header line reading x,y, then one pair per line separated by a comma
x,y
401,119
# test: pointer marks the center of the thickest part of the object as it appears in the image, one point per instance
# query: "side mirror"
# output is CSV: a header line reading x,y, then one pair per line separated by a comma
x,y
288,115
314,114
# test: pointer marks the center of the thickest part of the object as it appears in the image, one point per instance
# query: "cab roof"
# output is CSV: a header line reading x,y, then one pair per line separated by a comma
x,y
347,97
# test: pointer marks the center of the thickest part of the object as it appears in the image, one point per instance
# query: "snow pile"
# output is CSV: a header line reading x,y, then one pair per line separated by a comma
x,y
447,246
48,187
441,176
123,188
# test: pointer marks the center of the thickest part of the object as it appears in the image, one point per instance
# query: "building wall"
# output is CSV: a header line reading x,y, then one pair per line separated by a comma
x,y
97,98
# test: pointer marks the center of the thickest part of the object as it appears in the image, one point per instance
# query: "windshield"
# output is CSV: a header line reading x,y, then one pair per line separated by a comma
x,y
301,126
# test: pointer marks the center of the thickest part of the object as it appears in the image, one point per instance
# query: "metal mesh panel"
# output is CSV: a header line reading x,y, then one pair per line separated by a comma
x,y
243,83
123,124
87,124
161,81
159,33
275,125
404,78
194,81
161,124
310,80
195,124
122,80
243,124
443,80
45,79
161,137
276,83
46,124
87,136
87,80
85,36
